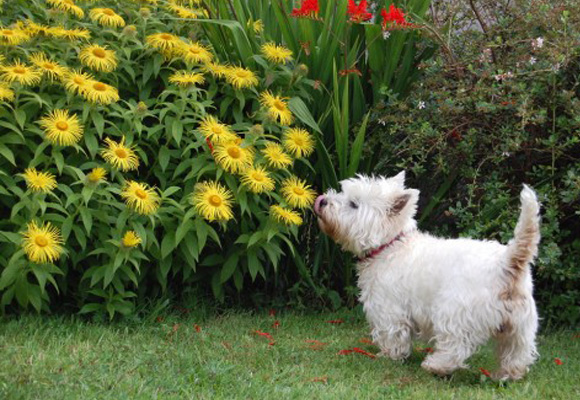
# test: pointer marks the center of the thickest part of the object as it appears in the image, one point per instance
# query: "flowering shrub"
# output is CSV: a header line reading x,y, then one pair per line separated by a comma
x,y
499,109
133,157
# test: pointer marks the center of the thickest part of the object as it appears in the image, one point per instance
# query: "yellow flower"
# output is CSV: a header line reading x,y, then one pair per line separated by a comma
x,y
13,37
276,54
258,27
131,239
232,157
52,69
184,12
297,193
69,34
34,29
6,94
240,77
257,180
21,73
186,79
285,216
215,69
67,6
194,53
298,142
42,244
165,42
39,181
106,17
61,128
96,175
98,58
212,201
141,198
275,156
120,156
101,93
276,107
215,131
76,81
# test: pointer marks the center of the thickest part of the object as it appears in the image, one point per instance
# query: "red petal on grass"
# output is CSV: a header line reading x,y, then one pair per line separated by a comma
x,y
485,372
366,341
321,379
276,324
197,328
271,343
363,352
425,349
558,361
335,321
345,351
176,327
315,344
159,319
264,334
577,336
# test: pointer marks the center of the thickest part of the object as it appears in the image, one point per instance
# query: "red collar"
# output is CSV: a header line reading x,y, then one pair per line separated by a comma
x,y
379,249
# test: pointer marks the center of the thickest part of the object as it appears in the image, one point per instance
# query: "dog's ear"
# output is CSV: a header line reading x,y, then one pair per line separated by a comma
x,y
400,203
402,200
400,178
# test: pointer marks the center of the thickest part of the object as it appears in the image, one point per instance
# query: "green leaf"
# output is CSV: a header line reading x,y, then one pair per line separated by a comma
x,y
167,244
229,267
7,154
164,156
87,219
20,116
299,108
254,265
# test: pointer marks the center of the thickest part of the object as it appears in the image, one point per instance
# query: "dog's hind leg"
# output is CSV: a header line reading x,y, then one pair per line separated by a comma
x,y
516,344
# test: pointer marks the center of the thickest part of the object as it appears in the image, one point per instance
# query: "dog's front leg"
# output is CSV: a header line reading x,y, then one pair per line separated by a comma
x,y
395,341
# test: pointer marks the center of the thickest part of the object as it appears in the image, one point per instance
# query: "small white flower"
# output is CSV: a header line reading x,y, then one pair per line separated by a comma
x,y
382,122
556,67
485,56
421,105
386,35
506,154
537,43
533,60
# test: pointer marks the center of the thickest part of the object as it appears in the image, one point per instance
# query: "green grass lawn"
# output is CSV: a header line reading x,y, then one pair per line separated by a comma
x,y
182,357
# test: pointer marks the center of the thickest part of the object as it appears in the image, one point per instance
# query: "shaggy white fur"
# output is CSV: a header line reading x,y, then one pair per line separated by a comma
x,y
456,292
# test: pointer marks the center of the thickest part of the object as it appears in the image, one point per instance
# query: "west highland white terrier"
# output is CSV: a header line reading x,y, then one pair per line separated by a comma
x,y
458,293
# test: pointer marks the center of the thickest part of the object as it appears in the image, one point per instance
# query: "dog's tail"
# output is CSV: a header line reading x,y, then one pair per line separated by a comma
x,y
524,247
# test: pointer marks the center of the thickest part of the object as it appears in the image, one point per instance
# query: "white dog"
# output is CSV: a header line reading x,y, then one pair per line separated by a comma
x,y
455,292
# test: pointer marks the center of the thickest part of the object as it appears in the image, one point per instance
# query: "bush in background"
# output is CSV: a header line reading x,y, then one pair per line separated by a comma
x,y
499,107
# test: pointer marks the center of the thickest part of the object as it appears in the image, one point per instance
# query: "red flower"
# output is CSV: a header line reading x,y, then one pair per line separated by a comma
x,y
309,8
276,324
485,372
395,19
558,361
197,328
358,13
336,321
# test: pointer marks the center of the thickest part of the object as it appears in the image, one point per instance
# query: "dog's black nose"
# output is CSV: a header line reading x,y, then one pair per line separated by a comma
x,y
323,202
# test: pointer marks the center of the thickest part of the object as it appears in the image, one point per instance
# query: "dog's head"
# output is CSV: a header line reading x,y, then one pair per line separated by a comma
x,y
368,212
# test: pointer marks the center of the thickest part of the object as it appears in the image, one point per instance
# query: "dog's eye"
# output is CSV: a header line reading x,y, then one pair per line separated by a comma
x,y
352,204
